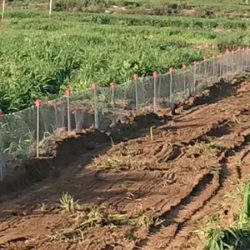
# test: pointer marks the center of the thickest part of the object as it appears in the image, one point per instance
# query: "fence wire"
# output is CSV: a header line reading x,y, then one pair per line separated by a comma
x,y
23,133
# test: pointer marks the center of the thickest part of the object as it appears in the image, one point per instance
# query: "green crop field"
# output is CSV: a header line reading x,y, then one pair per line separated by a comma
x,y
41,55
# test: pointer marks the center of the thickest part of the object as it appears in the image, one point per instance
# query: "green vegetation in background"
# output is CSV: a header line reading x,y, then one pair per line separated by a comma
x,y
40,56
213,8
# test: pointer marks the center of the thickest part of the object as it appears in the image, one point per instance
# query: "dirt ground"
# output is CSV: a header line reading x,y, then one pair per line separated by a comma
x,y
155,191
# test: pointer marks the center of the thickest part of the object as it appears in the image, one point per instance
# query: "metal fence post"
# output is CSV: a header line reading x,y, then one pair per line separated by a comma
x,y
68,94
184,66
205,69
155,75
241,59
94,87
227,61
220,65
171,70
244,58
136,78
38,105
194,75
213,67
230,64
235,62
236,56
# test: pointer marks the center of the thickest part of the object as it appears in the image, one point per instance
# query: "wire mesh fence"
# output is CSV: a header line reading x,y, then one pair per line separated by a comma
x,y
27,133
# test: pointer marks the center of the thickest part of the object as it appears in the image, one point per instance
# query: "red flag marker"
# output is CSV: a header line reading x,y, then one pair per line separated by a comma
x,y
94,86
1,113
155,74
136,78
38,103
68,92
112,85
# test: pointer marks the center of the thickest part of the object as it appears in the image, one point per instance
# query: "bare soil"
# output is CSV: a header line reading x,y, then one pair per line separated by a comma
x,y
136,187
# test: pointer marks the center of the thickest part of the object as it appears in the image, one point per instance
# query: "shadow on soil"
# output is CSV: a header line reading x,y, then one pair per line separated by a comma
x,y
92,143
219,91
69,150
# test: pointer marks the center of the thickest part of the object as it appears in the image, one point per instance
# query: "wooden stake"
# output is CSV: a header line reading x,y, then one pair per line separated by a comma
x,y
3,9
50,7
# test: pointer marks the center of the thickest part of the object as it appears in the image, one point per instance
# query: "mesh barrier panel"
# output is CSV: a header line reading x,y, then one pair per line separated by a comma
x,y
21,134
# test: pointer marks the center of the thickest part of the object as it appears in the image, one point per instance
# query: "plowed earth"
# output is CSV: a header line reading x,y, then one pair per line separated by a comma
x,y
150,192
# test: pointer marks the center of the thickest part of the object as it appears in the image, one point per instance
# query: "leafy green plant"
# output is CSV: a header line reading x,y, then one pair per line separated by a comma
x,y
233,238
37,64
217,239
94,217
218,146
68,204
245,212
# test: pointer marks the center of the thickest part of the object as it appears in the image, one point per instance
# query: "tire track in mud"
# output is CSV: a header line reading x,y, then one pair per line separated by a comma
x,y
231,166
224,174
151,174
162,231
204,191
205,187
196,127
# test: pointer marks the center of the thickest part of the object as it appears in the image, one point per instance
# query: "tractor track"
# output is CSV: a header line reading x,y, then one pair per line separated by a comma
x,y
179,215
174,222
178,175
225,175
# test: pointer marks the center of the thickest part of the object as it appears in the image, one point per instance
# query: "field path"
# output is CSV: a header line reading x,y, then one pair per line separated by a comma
x,y
163,187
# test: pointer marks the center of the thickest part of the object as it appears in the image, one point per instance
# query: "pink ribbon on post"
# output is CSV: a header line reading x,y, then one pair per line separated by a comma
x,y
136,78
68,92
112,85
38,103
94,86
155,74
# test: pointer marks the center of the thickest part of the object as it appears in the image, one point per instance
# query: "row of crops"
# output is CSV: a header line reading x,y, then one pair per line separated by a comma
x,y
142,20
140,6
41,56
